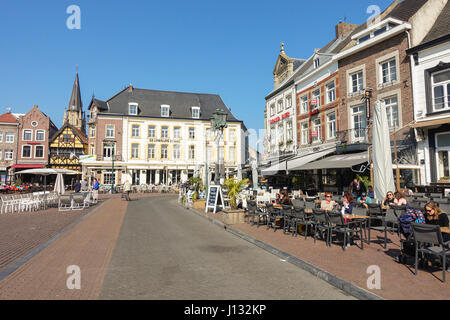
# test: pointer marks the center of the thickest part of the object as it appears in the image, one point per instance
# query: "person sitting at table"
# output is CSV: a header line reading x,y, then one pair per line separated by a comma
x,y
364,200
348,204
400,199
328,204
435,216
371,192
277,198
285,200
388,200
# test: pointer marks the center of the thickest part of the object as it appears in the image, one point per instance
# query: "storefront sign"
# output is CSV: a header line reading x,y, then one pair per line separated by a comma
x,y
275,120
287,114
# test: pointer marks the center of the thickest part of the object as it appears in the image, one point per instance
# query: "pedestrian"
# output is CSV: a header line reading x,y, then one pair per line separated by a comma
x,y
127,190
77,186
356,188
95,188
84,185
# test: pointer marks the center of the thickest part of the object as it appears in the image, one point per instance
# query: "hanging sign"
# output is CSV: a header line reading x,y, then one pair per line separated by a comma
x,y
214,199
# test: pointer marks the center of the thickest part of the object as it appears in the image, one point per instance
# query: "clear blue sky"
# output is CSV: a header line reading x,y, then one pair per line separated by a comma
x,y
223,47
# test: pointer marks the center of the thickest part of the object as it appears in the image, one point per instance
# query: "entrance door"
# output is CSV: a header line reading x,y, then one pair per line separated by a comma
x,y
443,154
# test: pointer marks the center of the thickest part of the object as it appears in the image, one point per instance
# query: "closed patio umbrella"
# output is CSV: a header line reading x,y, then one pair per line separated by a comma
x,y
59,184
383,177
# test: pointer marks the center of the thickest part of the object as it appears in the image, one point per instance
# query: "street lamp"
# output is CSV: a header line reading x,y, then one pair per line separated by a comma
x,y
218,123
112,143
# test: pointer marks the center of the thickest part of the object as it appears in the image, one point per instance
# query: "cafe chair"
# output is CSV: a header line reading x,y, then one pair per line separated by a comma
x,y
338,225
321,225
389,224
435,196
288,219
273,215
252,212
428,242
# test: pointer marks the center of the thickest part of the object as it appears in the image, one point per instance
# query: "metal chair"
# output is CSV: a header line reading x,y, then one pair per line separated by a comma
x,y
435,196
428,241
65,202
272,216
288,219
252,209
321,225
389,224
348,229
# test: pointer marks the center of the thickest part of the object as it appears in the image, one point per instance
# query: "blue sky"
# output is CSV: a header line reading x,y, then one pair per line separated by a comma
x,y
223,47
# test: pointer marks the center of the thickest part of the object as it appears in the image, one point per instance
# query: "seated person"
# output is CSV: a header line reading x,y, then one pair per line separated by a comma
x,y
328,204
435,216
278,198
400,199
348,204
285,200
364,200
388,200
371,192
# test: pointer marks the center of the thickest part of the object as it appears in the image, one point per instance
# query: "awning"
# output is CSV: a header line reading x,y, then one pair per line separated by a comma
x,y
338,162
27,166
296,164
281,166
430,123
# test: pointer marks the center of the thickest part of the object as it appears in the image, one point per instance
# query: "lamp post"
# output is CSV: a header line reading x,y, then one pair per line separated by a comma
x,y
112,144
218,123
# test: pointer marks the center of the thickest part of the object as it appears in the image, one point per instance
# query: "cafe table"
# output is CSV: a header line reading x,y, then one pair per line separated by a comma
x,y
445,229
362,219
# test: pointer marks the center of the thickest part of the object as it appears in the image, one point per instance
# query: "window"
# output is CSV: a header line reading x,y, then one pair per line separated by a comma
x,y
441,90
289,131
331,125
380,31
315,96
39,152
316,130
26,152
304,133
151,151
27,135
164,151
195,112
288,102
92,132
331,92
177,133
231,154
67,137
362,39
1,136
304,108
108,151
280,106
0,154
135,131
109,178
151,132
209,134
164,132
191,152
443,153
356,82
280,133
392,112
110,131
133,109
221,153
165,111
272,109
92,149
8,154
9,137
135,151
40,135
176,152
231,135
359,122
209,152
389,71
316,63
191,133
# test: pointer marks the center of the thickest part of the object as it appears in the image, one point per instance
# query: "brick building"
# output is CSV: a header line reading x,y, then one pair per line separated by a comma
x,y
9,126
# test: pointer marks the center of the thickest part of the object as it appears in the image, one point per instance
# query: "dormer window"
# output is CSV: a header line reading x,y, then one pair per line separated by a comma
x,y
165,111
316,63
376,30
133,109
195,112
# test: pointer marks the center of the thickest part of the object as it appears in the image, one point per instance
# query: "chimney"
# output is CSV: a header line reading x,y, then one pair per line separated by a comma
x,y
130,88
344,28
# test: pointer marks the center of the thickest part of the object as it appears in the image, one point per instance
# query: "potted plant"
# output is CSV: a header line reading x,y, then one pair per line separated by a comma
x,y
234,187
197,184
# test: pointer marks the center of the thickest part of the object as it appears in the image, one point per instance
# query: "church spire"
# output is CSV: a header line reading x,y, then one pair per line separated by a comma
x,y
75,103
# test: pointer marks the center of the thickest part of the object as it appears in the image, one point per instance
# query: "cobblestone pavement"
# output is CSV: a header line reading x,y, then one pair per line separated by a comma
x,y
165,252
397,280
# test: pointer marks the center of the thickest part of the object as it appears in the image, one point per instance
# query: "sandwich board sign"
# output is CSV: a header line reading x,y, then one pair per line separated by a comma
x,y
215,198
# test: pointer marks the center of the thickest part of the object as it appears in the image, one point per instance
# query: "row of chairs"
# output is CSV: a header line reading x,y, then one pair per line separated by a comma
x,y
76,201
27,202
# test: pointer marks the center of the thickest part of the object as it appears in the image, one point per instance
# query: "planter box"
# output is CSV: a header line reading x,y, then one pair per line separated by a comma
x,y
200,204
231,217
446,181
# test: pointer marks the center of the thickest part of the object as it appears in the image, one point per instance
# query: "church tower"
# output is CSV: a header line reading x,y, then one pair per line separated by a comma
x,y
74,114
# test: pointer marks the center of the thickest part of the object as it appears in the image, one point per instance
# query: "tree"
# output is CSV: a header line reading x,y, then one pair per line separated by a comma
x,y
234,187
